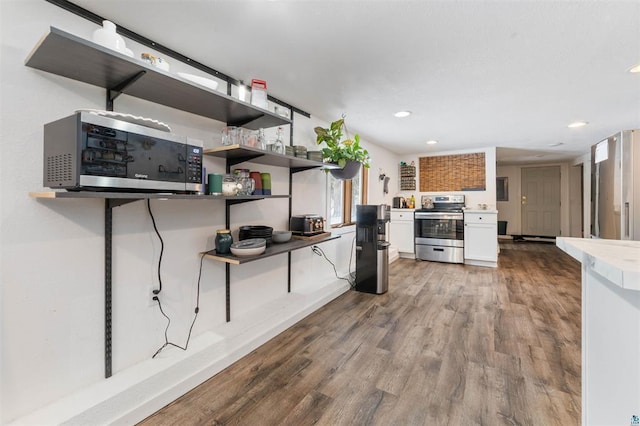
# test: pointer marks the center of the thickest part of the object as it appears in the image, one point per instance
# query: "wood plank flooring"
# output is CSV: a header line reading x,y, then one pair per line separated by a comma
x,y
447,345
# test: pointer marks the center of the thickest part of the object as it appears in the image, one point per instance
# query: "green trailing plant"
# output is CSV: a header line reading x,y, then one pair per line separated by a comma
x,y
340,151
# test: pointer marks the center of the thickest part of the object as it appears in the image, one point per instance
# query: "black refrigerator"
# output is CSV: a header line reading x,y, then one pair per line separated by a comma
x,y
372,248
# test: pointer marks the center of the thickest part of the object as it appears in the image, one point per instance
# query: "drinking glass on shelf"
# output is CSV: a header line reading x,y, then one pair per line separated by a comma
x,y
249,138
246,185
231,135
278,145
262,140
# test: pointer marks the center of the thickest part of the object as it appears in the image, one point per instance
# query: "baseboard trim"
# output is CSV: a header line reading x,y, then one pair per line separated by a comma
x,y
135,393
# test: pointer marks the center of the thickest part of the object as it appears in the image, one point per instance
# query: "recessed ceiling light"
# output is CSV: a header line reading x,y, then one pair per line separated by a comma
x,y
577,124
432,142
401,114
635,68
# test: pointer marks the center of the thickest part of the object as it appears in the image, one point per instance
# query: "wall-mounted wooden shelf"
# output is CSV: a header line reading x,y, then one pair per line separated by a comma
x,y
235,154
70,56
272,250
134,196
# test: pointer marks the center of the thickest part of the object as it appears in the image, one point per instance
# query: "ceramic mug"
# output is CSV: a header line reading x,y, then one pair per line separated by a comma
x,y
215,184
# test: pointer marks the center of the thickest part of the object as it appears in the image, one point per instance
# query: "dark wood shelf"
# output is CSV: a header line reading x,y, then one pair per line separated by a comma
x,y
133,196
271,250
235,154
70,56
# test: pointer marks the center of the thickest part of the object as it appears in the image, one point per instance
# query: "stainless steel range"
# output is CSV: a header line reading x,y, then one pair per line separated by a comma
x,y
439,229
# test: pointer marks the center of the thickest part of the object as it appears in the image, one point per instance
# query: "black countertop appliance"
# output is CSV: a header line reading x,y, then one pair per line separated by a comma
x,y
372,248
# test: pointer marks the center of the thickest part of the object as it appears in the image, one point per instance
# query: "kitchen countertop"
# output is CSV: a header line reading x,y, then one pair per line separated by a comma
x,y
616,260
400,209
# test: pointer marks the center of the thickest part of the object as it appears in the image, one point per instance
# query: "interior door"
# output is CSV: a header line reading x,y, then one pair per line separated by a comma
x,y
541,201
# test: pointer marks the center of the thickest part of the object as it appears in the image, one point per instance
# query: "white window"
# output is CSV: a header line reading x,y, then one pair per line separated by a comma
x,y
344,196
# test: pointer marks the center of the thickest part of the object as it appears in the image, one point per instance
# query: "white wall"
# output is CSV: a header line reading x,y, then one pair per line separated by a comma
x,y
585,162
382,162
509,211
51,254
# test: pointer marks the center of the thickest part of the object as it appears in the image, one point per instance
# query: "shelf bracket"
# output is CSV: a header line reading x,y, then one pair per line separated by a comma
x,y
302,169
116,202
238,160
227,282
227,268
243,123
109,204
108,221
240,201
114,92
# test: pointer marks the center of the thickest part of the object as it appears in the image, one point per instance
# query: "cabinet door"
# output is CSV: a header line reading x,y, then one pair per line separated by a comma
x,y
401,236
481,241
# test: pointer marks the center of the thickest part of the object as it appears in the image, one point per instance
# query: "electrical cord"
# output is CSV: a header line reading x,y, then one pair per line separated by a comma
x,y
317,250
155,227
157,292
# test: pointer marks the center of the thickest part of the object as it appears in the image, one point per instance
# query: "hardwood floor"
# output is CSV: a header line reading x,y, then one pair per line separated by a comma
x,y
448,344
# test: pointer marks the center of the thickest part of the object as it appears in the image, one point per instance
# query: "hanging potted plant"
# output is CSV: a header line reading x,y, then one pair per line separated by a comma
x,y
348,154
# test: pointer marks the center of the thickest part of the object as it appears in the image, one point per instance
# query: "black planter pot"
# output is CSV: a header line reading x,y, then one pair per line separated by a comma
x,y
347,172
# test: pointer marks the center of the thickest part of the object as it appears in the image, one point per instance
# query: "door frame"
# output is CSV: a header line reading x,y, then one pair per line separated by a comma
x,y
576,201
556,169
514,206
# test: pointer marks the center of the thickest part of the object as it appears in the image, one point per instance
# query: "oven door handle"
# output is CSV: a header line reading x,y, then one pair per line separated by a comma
x,y
438,216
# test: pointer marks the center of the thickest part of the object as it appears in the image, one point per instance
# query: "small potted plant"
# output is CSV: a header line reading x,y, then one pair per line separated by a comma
x,y
347,153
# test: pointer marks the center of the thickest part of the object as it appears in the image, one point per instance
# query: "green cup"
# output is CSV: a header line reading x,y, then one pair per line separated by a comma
x,y
215,184
266,183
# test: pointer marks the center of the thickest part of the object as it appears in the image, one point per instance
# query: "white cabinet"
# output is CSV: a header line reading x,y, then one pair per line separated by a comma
x,y
401,231
481,237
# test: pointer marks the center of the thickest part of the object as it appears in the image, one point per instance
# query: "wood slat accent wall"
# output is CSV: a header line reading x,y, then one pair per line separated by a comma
x,y
462,172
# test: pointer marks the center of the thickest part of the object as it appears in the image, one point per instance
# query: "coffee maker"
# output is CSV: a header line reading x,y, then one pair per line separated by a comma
x,y
372,248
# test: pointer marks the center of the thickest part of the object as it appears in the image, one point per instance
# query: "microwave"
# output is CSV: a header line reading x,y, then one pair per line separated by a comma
x,y
86,151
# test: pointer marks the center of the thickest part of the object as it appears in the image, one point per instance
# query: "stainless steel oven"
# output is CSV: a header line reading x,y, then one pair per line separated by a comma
x,y
439,229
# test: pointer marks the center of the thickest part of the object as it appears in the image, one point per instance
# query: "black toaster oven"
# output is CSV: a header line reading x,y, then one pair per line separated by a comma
x,y
306,224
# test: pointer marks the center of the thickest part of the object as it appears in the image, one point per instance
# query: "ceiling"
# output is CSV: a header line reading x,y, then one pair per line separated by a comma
x,y
511,74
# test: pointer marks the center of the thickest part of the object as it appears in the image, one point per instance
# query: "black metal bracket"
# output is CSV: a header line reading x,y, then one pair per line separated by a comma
x,y
116,202
108,247
289,272
302,169
227,268
109,204
114,92
227,282
241,200
238,160
242,123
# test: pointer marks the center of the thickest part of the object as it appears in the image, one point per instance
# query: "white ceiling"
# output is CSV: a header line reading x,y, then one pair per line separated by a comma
x,y
510,74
